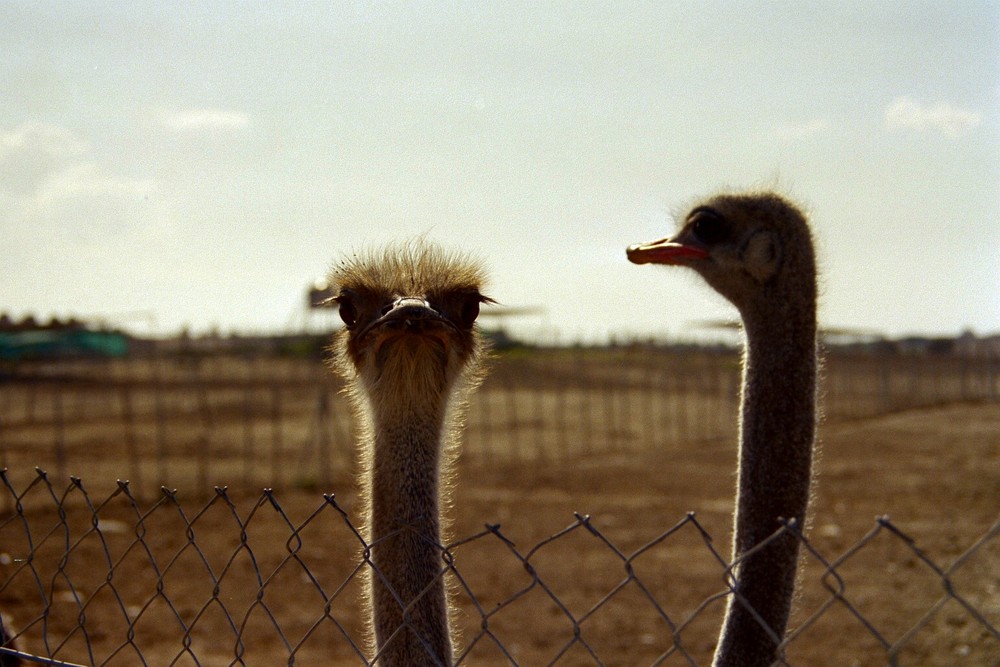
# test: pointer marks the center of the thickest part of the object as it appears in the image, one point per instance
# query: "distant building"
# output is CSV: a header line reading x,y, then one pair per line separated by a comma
x,y
28,339
321,295
968,344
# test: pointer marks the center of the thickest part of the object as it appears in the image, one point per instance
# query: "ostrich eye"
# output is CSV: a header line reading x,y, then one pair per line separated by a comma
x,y
348,312
708,226
469,311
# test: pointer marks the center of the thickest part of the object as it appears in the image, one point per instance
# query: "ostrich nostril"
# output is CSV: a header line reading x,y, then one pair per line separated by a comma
x,y
409,309
410,301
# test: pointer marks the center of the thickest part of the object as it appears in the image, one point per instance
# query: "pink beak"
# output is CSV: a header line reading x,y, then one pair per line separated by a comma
x,y
664,251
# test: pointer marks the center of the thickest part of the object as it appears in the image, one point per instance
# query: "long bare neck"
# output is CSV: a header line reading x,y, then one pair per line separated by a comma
x,y
775,468
410,615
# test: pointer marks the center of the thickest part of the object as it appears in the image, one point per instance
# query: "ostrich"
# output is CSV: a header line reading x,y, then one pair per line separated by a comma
x,y
410,354
755,249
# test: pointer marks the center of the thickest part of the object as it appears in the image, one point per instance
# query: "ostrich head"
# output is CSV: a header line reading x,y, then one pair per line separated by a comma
x,y
409,313
742,245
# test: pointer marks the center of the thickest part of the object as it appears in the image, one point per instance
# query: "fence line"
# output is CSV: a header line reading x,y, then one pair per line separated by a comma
x,y
144,577
191,422
111,581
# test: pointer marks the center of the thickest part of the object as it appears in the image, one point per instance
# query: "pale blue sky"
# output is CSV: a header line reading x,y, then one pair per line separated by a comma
x,y
206,161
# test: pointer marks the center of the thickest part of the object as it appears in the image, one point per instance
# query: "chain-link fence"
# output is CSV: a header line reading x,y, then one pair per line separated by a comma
x,y
142,575
191,422
261,581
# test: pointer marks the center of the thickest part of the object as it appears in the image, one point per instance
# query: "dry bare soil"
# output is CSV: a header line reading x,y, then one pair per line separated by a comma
x,y
268,580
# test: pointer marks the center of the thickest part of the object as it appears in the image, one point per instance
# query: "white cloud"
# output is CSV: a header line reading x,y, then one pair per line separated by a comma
x,y
801,130
904,113
206,119
35,137
42,165
83,203
84,181
32,151
50,187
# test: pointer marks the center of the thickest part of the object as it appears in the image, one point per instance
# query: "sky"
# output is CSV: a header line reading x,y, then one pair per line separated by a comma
x,y
199,165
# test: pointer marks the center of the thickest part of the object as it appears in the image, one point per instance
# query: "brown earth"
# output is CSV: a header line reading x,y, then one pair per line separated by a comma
x,y
263,580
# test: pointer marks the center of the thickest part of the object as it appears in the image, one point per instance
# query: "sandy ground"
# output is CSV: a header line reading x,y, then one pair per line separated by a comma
x,y
190,585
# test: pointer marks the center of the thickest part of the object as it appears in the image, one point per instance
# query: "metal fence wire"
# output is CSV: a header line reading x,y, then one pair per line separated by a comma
x,y
195,422
162,570
261,581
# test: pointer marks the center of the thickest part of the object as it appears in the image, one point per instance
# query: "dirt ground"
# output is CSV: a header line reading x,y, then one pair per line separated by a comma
x,y
583,561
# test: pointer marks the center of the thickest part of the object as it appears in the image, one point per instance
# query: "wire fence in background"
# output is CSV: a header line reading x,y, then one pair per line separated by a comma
x,y
265,580
191,422
232,576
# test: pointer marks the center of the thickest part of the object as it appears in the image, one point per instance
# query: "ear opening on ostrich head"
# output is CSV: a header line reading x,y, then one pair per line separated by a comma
x,y
762,255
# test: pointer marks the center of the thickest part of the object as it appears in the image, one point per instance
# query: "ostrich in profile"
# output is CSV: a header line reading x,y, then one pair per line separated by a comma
x,y
756,250
410,353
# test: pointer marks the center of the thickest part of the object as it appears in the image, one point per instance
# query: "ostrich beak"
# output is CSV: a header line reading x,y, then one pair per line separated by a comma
x,y
409,308
411,314
664,251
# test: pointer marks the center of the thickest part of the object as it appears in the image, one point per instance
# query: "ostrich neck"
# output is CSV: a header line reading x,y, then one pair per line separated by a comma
x,y
775,468
410,609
